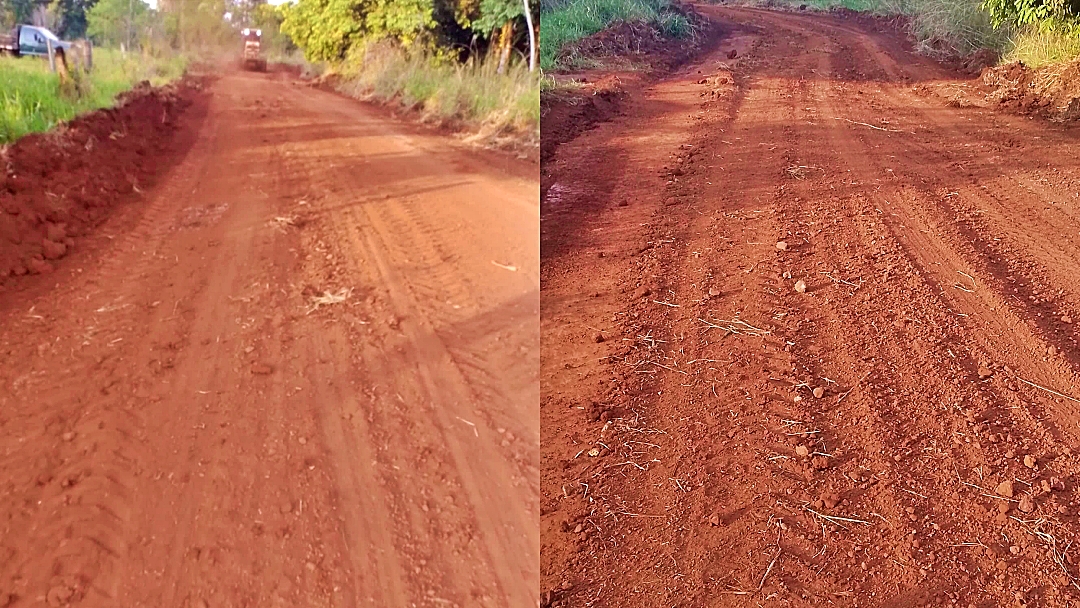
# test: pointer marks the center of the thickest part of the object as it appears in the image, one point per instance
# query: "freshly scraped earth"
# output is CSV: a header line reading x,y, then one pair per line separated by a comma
x,y
55,187
809,336
287,357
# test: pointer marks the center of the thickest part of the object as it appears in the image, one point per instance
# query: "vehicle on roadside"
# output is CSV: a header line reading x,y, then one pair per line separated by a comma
x,y
31,41
253,57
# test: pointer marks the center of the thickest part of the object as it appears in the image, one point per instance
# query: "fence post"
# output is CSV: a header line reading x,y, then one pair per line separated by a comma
x,y
89,55
52,54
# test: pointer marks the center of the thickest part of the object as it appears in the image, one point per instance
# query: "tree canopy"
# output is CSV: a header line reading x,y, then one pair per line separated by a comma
x,y
115,21
66,17
327,29
1041,13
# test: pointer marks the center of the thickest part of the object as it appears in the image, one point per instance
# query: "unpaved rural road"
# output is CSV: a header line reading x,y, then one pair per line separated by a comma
x,y
712,436
187,421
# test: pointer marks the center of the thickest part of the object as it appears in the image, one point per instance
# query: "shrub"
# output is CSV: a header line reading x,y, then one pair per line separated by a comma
x,y
445,90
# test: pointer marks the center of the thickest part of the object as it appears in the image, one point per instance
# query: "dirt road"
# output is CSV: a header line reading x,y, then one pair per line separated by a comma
x,y
810,336
300,371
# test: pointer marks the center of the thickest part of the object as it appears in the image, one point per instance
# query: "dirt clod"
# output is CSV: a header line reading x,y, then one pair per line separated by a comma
x,y
1029,461
819,392
37,265
800,286
1026,505
1005,489
59,595
52,250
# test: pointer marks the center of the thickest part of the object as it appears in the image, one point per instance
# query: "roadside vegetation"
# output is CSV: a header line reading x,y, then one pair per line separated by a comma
x,y
941,27
33,100
448,92
466,62
132,43
564,22
1036,32
1038,47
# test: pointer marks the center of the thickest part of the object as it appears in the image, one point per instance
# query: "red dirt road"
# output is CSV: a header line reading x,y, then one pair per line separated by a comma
x,y
713,434
187,420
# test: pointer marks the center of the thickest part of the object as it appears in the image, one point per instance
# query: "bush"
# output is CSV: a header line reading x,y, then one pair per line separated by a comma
x,y
32,99
471,93
572,20
1045,14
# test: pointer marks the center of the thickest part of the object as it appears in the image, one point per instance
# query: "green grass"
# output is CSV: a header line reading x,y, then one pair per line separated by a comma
x,y
473,94
570,21
32,100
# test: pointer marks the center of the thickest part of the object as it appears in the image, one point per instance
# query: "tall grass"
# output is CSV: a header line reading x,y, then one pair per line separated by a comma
x,y
32,100
1038,47
449,92
954,27
568,21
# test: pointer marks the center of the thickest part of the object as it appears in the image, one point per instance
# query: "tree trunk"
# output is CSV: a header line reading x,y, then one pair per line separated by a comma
x,y
506,44
532,37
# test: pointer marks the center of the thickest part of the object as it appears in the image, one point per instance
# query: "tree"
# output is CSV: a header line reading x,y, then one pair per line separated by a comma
x,y
17,11
243,12
115,21
325,29
72,15
500,14
1042,13
532,36
197,23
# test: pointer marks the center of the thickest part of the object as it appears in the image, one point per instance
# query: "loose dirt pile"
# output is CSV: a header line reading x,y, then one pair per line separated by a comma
x,y
622,57
1052,91
57,185
629,41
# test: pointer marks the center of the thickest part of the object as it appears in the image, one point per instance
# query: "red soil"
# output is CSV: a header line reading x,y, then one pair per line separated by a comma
x,y
58,185
810,337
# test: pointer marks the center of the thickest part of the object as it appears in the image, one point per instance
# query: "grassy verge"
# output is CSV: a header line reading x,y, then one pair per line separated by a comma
x,y
941,27
959,27
472,94
31,99
1037,47
573,20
